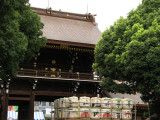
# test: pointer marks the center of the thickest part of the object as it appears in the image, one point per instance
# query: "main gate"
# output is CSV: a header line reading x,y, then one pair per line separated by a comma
x,y
62,68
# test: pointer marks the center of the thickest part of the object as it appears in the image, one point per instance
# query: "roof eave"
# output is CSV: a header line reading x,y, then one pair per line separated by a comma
x,y
49,12
51,41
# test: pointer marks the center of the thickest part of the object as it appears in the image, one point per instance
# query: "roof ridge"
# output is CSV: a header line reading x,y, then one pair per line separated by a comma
x,y
76,16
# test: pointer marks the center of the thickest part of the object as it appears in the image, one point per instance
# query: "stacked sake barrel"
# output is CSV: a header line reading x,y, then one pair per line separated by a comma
x,y
59,106
127,107
67,107
56,106
84,107
72,107
106,105
116,108
62,111
93,108
121,108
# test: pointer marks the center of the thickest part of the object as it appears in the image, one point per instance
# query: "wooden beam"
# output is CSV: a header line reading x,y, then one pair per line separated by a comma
x,y
141,105
50,93
88,95
70,43
19,98
45,93
65,94
19,92
67,15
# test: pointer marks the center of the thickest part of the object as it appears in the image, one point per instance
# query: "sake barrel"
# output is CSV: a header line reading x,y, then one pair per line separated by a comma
x,y
63,113
126,114
117,103
127,103
55,113
95,113
73,101
60,102
63,102
84,113
56,103
72,113
116,113
106,114
84,101
106,102
59,113
95,102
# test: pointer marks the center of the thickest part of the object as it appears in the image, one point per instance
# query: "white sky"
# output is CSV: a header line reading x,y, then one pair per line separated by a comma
x,y
108,11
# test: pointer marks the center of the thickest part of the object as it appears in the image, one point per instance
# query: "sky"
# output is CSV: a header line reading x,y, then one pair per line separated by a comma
x,y
106,11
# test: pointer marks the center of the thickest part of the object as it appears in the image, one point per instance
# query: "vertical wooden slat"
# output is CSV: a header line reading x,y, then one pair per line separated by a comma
x,y
31,105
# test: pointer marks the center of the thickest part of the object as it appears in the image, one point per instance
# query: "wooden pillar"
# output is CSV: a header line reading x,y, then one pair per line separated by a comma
x,y
0,107
31,105
4,103
19,112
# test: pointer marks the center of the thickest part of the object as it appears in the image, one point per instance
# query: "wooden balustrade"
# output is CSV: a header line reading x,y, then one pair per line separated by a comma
x,y
51,74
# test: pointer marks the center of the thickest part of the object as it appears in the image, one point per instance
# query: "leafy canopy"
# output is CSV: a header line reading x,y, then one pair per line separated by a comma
x,y
128,55
20,35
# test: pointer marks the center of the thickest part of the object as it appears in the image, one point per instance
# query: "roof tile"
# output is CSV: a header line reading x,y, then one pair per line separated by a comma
x,y
69,27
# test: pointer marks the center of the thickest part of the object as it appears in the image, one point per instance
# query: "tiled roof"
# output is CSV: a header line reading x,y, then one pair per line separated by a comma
x,y
69,27
136,98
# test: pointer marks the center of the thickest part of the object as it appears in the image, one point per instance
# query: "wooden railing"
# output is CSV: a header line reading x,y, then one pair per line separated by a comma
x,y
51,74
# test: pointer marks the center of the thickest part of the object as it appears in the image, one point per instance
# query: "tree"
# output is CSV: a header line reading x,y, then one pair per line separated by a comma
x,y
127,57
20,35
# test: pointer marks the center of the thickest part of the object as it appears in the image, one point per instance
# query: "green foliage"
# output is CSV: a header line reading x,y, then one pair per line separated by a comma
x,y
127,57
20,35
145,115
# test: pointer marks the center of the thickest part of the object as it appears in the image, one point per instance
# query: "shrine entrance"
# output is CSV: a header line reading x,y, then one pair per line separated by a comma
x,y
24,91
63,68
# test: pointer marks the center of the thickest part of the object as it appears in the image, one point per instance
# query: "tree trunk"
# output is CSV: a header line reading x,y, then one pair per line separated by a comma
x,y
155,110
